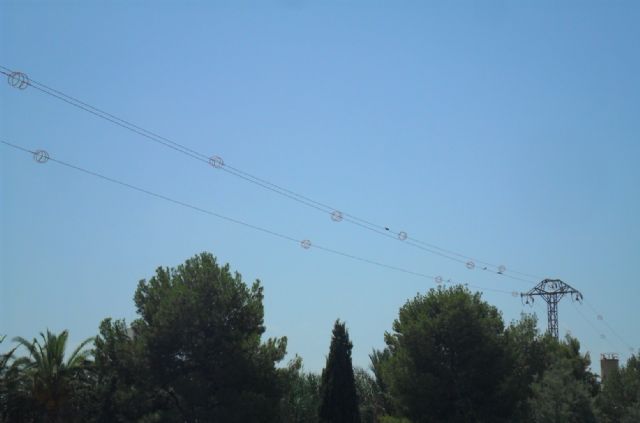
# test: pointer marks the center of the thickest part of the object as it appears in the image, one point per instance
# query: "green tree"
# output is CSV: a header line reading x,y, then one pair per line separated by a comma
x,y
560,397
16,403
339,401
619,401
569,350
4,370
7,387
124,390
446,361
302,394
527,355
384,401
530,354
54,382
370,398
200,331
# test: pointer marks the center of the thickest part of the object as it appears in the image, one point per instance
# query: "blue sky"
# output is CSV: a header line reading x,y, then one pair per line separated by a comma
x,y
508,132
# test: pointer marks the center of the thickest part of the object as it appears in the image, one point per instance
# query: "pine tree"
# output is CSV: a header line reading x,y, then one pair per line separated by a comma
x,y
339,402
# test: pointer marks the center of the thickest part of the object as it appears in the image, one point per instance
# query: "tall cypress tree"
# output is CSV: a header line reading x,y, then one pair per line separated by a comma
x,y
339,402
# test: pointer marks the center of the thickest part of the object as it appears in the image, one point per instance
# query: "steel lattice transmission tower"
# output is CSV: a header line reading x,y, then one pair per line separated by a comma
x,y
552,291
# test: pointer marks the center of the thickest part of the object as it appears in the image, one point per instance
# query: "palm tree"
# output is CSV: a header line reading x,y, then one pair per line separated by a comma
x,y
4,367
4,358
14,398
50,377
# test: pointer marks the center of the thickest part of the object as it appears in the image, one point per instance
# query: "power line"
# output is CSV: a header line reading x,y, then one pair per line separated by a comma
x,y
601,318
21,81
589,322
552,291
42,156
594,328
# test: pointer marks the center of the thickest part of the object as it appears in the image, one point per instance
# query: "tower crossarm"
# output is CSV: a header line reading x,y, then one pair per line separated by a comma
x,y
551,291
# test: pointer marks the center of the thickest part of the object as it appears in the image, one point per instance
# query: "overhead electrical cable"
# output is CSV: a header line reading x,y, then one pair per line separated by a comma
x,y
594,328
543,311
20,80
42,157
601,318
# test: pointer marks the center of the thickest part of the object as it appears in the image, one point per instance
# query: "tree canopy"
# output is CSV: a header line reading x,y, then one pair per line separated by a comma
x,y
559,397
201,329
196,353
44,384
446,358
620,397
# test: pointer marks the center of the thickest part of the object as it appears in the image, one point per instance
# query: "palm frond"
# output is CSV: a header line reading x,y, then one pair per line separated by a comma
x,y
78,356
4,358
28,345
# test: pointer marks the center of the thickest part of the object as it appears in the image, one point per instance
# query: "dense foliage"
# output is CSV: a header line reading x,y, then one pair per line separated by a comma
x,y
446,359
196,354
200,330
620,397
43,385
338,398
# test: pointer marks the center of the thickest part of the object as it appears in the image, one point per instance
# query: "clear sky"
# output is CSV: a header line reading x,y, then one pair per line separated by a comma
x,y
507,131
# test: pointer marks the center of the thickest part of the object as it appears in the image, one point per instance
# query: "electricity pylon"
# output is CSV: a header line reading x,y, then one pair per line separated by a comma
x,y
552,291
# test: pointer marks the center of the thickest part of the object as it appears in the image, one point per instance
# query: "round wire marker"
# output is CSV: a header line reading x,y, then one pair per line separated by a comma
x,y
216,161
402,235
470,265
18,80
599,316
40,156
438,280
502,269
336,216
514,294
305,243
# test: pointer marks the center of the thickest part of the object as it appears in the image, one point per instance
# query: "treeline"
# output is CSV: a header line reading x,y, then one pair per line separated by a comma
x,y
196,354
